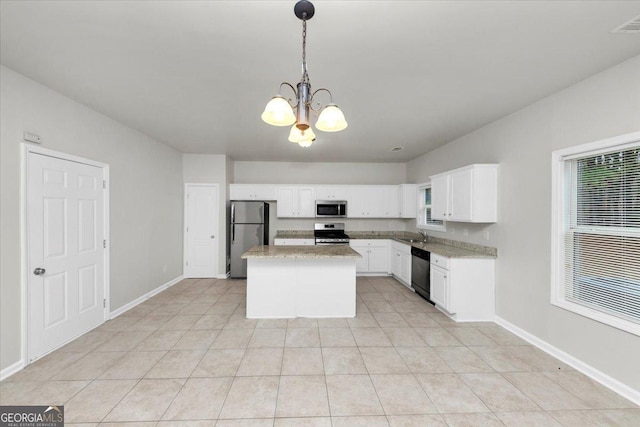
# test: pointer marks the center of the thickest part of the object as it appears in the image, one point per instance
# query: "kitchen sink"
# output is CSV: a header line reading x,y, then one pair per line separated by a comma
x,y
413,240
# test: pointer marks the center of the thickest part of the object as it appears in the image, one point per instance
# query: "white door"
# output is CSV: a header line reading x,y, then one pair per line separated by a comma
x,y
66,257
201,228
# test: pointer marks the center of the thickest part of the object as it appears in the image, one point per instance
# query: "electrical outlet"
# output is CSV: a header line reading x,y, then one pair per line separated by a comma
x,y
486,235
164,268
453,230
465,231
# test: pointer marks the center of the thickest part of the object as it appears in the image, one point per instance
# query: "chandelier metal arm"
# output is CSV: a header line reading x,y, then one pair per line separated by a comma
x,y
295,93
320,90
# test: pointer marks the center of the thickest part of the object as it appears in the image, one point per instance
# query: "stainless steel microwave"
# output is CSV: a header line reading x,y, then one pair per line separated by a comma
x,y
331,209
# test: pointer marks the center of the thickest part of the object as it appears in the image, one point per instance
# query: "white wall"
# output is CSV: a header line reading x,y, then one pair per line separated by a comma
x,y
212,169
322,173
319,173
145,190
602,106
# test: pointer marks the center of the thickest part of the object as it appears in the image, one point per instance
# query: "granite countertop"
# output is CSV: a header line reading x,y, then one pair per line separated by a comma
x,y
448,251
437,245
294,234
309,252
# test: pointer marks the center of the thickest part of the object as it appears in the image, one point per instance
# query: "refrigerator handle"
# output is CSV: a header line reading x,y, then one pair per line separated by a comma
x,y
233,213
233,232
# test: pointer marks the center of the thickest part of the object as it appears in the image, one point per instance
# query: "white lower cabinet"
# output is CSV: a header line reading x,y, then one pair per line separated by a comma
x,y
294,242
439,287
463,287
375,255
401,262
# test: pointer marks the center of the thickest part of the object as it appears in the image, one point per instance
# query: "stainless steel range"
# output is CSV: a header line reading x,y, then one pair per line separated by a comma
x,y
330,233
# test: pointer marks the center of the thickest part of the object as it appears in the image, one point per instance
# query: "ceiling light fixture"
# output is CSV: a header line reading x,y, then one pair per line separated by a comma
x,y
279,111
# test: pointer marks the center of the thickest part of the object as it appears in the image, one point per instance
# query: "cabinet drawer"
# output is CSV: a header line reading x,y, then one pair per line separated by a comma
x,y
293,242
440,261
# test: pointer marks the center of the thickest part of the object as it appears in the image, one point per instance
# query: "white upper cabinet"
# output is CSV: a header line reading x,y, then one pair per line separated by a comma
x,y
336,192
252,192
468,194
296,202
408,200
373,201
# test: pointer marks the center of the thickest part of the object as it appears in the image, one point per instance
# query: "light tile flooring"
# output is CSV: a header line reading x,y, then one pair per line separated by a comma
x,y
188,356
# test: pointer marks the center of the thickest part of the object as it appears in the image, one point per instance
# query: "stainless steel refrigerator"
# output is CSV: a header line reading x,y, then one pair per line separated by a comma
x,y
249,227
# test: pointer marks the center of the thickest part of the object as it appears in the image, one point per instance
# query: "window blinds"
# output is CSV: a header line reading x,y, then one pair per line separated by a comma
x,y
602,233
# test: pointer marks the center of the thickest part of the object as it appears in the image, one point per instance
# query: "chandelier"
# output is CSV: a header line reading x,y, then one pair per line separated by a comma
x,y
280,111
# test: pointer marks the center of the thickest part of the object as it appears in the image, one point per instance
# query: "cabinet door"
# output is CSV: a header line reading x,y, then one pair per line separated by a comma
x,y
405,268
408,201
396,263
306,201
331,193
391,201
286,199
379,259
264,192
241,192
357,202
440,197
362,264
460,193
439,287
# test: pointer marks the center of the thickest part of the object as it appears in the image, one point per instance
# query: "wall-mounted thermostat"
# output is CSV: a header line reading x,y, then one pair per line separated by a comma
x,y
31,137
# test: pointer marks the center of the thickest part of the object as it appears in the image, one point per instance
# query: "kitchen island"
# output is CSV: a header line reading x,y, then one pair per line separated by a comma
x,y
301,281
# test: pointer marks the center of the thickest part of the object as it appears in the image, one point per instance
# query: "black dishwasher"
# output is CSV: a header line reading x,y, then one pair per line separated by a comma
x,y
420,263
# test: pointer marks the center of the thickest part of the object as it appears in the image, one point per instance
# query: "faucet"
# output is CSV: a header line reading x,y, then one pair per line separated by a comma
x,y
424,235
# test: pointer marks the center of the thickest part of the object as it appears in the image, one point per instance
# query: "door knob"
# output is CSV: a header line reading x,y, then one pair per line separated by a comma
x,y
213,237
39,271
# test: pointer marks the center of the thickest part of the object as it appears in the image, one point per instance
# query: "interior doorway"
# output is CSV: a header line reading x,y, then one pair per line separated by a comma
x,y
201,214
66,217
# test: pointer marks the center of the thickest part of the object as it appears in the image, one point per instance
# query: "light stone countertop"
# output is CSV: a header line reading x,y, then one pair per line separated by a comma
x,y
436,245
308,252
294,234
447,250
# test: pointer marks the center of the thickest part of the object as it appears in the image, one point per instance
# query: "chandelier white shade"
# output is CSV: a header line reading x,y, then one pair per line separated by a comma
x,y
297,135
280,112
331,119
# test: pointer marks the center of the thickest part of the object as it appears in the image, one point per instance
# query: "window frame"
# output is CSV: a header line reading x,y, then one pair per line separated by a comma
x,y
422,206
562,187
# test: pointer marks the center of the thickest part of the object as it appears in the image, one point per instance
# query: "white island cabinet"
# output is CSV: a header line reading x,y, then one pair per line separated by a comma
x,y
301,281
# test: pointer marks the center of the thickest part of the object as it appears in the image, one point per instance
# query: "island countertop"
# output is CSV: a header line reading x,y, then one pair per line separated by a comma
x,y
308,252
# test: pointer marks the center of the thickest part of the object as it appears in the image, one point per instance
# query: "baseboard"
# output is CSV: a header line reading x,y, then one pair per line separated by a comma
x,y
144,297
223,276
11,369
593,373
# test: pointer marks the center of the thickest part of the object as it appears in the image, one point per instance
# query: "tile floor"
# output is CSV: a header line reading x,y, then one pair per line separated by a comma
x,y
189,357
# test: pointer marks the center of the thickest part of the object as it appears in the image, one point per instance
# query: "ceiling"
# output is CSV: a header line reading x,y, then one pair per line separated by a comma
x,y
414,74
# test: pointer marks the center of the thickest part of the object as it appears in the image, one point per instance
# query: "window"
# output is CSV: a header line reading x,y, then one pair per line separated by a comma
x,y
596,236
423,219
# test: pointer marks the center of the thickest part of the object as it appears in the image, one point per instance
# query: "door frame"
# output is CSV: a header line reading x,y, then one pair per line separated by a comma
x,y
27,151
184,225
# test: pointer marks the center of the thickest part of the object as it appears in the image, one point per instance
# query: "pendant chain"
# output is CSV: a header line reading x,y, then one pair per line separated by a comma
x,y
305,76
